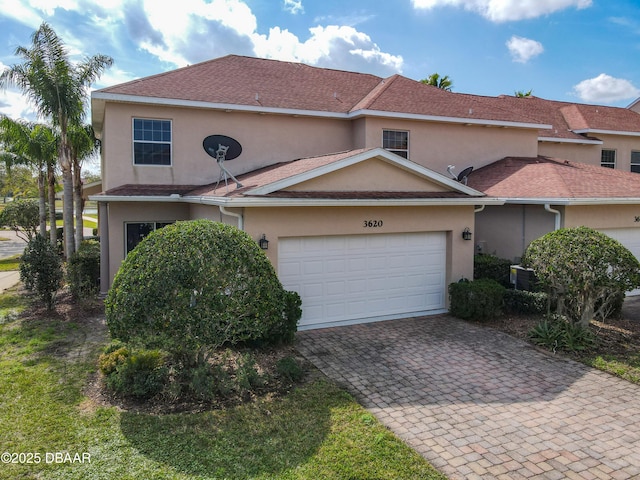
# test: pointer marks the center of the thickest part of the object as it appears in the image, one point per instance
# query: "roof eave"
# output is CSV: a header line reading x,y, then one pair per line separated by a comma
x,y
570,140
607,132
301,202
573,201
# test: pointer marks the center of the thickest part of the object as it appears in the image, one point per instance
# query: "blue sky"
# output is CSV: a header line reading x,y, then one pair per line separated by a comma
x,y
571,50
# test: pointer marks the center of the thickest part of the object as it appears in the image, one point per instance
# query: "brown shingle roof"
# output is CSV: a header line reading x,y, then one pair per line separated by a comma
x,y
544,177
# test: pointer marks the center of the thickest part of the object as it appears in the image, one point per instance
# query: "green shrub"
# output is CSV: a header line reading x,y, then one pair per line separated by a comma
x,y
289,369
142,374
110,360
41,270
524,302
478,300
557,332
23,217
199,284
492,267
83,270
247,376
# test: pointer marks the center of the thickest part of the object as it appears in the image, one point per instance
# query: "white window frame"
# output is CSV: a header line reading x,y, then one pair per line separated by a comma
x,y
398,151
608,164
161,142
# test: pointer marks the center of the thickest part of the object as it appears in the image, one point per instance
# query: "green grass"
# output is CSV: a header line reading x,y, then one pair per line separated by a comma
x,y
10,263
627,367
316,432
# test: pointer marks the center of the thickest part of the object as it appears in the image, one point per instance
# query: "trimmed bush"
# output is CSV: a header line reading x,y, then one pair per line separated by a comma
x,y
83,270
524,302
492,267
478,300
41,270
289,369
195,286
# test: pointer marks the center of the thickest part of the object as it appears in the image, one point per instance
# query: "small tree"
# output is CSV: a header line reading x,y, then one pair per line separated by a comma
x,y
23,217
585,270
41,270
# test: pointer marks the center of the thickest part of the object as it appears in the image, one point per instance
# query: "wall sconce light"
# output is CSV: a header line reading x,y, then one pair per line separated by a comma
x,y
263,242
466,234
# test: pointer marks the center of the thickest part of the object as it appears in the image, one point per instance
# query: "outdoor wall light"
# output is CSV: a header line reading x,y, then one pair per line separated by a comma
x,y
263,242
466,234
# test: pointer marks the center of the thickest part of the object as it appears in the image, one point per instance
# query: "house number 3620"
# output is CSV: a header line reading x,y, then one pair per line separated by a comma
x,y
372,223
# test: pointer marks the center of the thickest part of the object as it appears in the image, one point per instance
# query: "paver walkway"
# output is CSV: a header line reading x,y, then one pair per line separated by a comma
x,y
479,404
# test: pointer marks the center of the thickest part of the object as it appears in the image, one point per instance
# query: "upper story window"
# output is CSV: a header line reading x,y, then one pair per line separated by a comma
x,y
396,141
608,158
635,162
151,142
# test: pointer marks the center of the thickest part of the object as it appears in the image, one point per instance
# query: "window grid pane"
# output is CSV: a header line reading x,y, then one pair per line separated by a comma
x,y
396,141
635,162
151,142
608,158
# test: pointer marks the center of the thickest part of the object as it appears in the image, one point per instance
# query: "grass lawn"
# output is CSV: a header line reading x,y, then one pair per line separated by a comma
x,y
10,263
47,363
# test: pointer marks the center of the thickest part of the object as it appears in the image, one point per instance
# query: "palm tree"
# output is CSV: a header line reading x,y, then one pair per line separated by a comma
x,y
444,83
522,93
83,143
36,145
58,89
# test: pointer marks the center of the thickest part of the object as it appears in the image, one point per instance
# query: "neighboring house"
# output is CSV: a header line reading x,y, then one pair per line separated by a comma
x,y
348,176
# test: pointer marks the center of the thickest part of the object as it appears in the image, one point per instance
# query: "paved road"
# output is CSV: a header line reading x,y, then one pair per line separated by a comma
x,y
479,404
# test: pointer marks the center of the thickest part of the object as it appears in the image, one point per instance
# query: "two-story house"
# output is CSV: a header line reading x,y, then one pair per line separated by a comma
x,y
356,182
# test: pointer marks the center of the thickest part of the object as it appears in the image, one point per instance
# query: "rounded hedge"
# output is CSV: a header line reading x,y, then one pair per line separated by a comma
x,y
199,284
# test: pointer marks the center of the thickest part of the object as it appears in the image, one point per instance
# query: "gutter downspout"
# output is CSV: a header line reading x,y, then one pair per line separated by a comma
x,y
239,216
478,210
557,213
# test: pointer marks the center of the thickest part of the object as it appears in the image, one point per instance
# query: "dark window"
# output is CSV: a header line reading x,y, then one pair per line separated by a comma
x,y
135,232
151,142
396,141
608,158
635,162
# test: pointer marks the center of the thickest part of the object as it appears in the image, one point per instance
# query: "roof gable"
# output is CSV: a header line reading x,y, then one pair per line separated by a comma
x,y
332,173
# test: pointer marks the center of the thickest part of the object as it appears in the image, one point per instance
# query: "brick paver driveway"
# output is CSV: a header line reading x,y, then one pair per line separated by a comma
x,y
480,404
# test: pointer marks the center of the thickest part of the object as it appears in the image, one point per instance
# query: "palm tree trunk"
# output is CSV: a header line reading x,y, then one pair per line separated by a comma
x,y
78,202
67,195
51,181
42,203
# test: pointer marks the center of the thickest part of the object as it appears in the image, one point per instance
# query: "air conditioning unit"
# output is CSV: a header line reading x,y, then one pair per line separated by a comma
x,y
522,278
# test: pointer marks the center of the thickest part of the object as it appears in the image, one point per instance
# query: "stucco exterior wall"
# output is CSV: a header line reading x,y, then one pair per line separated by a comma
x,y
278,223
507,230
370,175
623,145
437,145
603,216
265,139
589,154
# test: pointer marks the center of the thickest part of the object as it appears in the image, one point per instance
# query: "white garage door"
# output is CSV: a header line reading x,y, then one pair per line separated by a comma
x,y
630,238
356,278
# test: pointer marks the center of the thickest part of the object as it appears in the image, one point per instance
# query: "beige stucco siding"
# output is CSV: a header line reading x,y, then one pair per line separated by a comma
x,y
589,154
437,145
603,216
369,175
278,223
265,139
623,145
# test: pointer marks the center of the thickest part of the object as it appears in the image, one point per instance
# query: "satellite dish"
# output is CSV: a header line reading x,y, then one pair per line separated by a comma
x,y
212,144
462,177
223,148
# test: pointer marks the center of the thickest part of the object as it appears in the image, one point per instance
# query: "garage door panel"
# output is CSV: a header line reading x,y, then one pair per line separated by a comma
x,y
352,277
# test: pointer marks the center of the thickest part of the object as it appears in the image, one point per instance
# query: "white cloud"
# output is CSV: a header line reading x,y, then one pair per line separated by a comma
x,y
333,46
523,49
293,6
605,89
506,10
